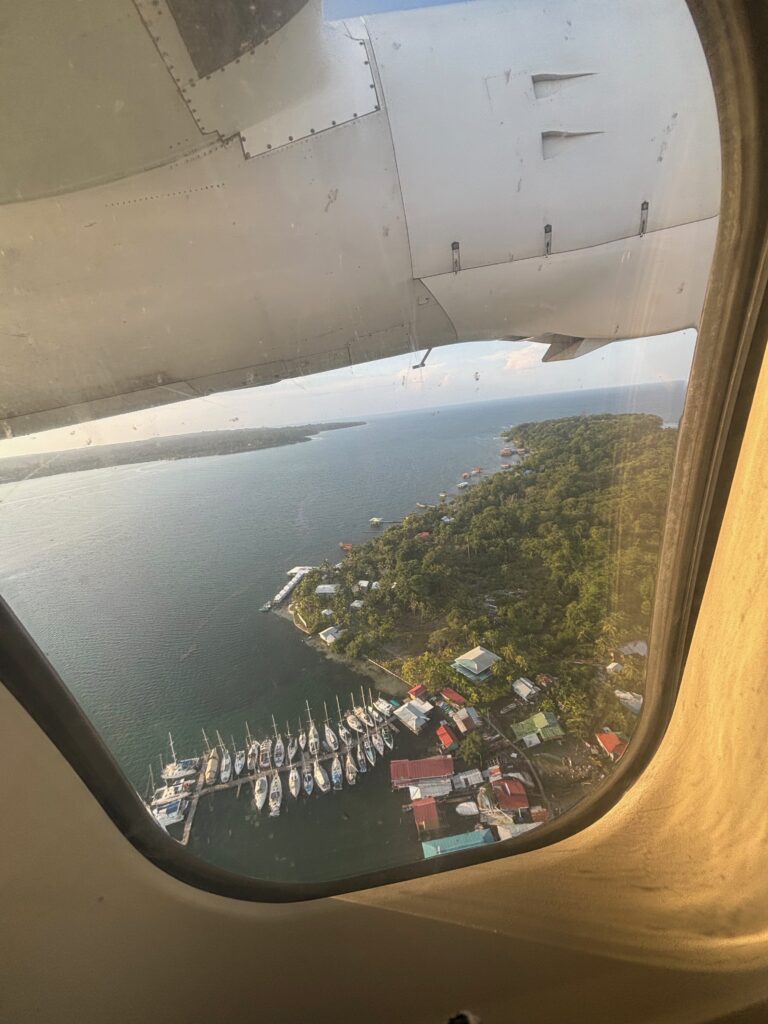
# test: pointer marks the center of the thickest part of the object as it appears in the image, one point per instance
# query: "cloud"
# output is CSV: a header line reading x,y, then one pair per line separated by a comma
x,y
525,358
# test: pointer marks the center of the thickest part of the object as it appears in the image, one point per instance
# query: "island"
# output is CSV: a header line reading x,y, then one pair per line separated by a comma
x,y
529,594
160,449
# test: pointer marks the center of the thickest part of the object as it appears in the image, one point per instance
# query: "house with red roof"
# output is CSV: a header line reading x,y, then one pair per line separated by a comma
x,y
510,794
419,690
426,814
411,773
453,696
447,740
612,743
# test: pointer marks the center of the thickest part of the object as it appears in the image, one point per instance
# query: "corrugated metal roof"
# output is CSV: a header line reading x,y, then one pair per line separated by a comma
x,y
450,844
425,813
404,772
452,695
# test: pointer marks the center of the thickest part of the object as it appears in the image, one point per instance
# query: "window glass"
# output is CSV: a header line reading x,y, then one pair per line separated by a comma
x,y
341,409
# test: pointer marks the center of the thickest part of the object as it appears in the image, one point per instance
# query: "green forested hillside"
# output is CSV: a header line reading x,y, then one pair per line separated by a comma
x,y
551,565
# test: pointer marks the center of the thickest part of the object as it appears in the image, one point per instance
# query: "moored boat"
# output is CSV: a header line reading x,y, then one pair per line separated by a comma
x,y
225,773
307,779
370,753
330,736
265,755
313,736
360,753
321,778
363,715
344,734
294,781
383,706
176,769
386,735
275,795
260,790
239,761
169,794
337,775
378,743
170,814
253,756
350,769
302,737
293,744
278,754
354,722
211,766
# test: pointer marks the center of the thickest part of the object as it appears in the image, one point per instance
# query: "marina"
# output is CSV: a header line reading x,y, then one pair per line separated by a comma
x,y
322,764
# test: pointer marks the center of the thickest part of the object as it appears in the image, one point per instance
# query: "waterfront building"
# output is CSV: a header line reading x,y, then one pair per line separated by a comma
x,y
476,665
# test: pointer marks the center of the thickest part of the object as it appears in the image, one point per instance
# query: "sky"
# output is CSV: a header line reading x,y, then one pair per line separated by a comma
x,y
453,375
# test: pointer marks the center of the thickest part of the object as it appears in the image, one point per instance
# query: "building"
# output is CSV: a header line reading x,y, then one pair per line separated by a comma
x,y
630,700
476,665
327,590
408,773
357,605
411,718
612,743
423,707
438,787
330,635
510,794
426,814
538,728
513,829
419,690
327,613
466,780
450,844
639,647
524,688
446,738
453,696
462,722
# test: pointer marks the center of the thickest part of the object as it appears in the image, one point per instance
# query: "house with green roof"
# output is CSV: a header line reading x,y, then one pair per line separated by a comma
x,y
538,728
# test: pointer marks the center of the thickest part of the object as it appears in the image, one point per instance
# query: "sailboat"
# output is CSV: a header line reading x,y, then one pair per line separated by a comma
x,y
378,743
253,750
239,758
321,778
293,743
352,720
383,706
313,737
337,775
302,737
344,733
265,754
372,710
176,769
387,736
307,779
351,769
370,753
211,762
226,761
260,789
361,766
362,714
294,781
275,795
330,736
174,791
278,754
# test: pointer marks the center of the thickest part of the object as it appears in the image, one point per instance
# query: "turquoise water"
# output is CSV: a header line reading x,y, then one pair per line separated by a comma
x,y
142,584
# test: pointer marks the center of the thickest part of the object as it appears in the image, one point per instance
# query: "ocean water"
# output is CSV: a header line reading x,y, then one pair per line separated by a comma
x,y
142,584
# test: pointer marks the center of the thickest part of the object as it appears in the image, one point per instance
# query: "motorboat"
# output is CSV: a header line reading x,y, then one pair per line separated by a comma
x,y
383,706
321,778
307,779
239,761
337,774
275,795
260,790
171,814
361,766
265,755
253,756
389,739
378,743
370,753
350,769
181,769
168,794
211,766
294,781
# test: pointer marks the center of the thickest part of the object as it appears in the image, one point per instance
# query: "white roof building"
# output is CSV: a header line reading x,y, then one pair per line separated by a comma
x,y
411,718
330,635
630,700
463,780
439,787
357,605
327,590
476,664
423,707
524,688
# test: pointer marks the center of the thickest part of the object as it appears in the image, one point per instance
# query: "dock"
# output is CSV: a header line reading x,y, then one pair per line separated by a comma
x,y
297,576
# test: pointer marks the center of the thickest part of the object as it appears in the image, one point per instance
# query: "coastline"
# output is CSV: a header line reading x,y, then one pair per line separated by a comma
x,y
384,681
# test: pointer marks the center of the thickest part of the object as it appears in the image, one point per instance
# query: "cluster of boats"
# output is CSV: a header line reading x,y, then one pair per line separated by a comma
x,y
351,743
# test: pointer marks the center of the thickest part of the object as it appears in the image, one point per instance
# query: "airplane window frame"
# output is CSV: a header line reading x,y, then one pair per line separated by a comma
x,y
729,353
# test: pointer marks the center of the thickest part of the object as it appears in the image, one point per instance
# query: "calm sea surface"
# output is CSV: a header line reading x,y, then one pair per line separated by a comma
x,y
142,584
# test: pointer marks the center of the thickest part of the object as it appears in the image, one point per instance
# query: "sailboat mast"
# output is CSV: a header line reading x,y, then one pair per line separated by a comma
x,y
173,752
206,742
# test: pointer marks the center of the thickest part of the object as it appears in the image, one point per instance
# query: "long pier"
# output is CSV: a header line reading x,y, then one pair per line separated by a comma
x,y
248,779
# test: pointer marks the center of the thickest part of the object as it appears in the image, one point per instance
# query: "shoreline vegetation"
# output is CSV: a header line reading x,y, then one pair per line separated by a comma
x,y
160,449
550,564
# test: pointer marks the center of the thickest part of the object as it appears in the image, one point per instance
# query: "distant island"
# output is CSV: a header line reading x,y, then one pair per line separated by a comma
x,y
159,449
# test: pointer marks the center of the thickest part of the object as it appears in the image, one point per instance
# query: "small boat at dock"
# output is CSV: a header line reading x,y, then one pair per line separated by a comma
x,y
364,717
337,775
176,769
344,734
225,773
211,766
313,736
239,759
378,743
260,790
389,739
331,739
171,814
302,736
354,722
307,779
293,744
321,778
252,756
275,795
278,754
360,753
383,706
265,755
350,769
294,781
169,794
370,753
375,521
